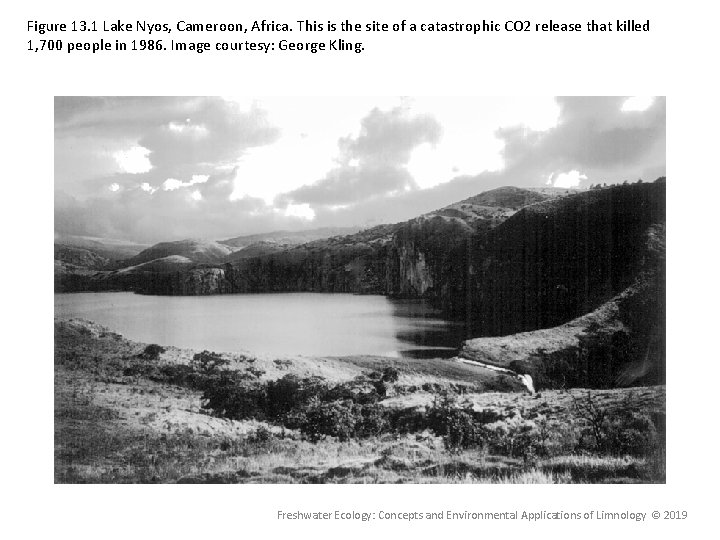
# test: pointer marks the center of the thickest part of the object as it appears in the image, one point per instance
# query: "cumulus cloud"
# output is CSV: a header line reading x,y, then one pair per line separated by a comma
x,y
133,160
163,137
374,163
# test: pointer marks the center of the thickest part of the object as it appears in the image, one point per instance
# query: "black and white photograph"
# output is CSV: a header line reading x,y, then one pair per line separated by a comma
x,y
359,290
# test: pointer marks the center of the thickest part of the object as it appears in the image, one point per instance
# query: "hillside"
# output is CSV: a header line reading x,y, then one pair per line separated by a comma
x,y
288,238
198,251
558,259
417,258
257,249
76,256
621,343
423,257
107,248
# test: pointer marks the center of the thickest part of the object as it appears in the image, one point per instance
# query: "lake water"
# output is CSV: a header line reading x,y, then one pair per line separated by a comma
x,y
311,324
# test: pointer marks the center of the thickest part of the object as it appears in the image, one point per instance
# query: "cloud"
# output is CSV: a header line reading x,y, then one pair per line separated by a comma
x,y
214,131
595,140
374,163
201,143
570,179
164,137
133,160
173,183
637,103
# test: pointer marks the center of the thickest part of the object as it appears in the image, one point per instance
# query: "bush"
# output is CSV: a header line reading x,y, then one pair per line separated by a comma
x,y
231,394
291,392
632,433
374,421
461,431
622,432
517,437
208,363
335,418
152,352
459,425
390,374
310,404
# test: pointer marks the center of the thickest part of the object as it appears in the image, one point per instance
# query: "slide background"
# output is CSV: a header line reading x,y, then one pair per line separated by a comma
x,y
675,59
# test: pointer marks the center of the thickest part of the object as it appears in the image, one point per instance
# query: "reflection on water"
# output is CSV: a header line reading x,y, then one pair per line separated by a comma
x,y
309,324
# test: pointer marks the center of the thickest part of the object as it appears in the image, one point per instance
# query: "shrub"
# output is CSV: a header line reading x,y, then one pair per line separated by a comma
x,y
310,404
152,352
517,437
335,418
208,363
283,364
589,410
626,431
461,431
291,392
632,433
459,425
261,435
374,421
232,395
390,374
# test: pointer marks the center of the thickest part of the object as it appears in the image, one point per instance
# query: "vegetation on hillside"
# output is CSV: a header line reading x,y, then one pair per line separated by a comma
x,y
127,412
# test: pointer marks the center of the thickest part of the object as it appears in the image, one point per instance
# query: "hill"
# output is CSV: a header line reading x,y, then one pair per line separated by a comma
x,y
256,250
560,258
108,248
76,256
288,238
198,251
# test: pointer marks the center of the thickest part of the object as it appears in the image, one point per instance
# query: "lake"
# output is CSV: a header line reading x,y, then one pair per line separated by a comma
x,y
311,324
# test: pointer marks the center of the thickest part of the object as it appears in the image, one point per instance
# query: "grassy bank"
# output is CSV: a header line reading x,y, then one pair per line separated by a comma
x,y
126,413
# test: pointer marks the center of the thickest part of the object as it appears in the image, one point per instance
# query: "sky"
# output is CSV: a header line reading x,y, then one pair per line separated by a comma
x,y
149,169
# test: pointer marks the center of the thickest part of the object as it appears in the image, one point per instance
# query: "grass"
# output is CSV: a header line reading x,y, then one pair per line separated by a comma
x,y
117,421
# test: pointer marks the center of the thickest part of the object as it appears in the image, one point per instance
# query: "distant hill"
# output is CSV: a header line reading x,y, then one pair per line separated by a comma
x,y
197,251
79,257
107,248
256,250
498,204
410,259
171,263
288,237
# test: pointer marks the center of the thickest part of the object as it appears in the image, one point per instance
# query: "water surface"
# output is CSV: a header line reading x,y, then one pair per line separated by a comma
x,y
311,324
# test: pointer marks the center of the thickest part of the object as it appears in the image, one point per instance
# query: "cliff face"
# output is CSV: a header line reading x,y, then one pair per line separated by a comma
x,y
193,282
428,258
